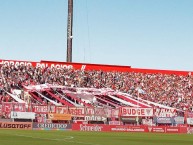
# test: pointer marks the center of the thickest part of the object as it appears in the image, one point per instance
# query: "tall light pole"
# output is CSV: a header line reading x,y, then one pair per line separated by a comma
x,y
69,31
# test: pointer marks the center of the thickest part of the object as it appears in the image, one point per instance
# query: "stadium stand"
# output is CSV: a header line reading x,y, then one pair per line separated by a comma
x,y
168,89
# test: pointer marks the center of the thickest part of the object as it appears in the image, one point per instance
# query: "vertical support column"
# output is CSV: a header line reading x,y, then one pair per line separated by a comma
x,y
69,31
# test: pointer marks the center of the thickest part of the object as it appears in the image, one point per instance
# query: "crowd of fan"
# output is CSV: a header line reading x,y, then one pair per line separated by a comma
x,y
167,89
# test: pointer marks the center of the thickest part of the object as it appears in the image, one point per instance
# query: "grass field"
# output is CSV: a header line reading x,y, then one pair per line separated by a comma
x,y
41,137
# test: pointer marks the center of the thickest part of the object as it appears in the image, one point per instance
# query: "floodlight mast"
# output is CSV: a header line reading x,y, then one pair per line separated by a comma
x,y
69,31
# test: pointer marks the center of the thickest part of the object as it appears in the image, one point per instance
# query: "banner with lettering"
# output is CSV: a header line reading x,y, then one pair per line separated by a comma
x,y
179,120
51,126
129,111
55,116
16,125
22,115
44,109
53,64
164,120
163,112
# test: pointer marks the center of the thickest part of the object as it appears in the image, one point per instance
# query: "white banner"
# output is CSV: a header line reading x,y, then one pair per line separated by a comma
x,y
129,111
22,115
113,113
190,121
95,118
16,98
148,122
163,112
115,123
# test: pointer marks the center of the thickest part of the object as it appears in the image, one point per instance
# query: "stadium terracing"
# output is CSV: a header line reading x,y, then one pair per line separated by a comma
x,y
94,85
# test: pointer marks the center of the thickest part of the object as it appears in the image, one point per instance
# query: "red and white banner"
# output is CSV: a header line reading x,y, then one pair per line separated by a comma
x,y
189,114
86,66
77,112
113,113
148,122
127,128
96,112
91,127
124,128
7,107
163,112
104,128
14,106
167,129
44,109
129,111
41,119
53,64
62,110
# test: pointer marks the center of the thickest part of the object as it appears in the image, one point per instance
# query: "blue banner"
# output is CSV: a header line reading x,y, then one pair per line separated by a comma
x,y
51,126
164,120
179,120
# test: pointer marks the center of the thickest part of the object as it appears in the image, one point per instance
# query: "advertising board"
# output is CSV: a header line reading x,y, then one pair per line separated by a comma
x,y
16,125
179,120
127,128
51,126
95,118
22,115
55,116
129,111
164,120
190,121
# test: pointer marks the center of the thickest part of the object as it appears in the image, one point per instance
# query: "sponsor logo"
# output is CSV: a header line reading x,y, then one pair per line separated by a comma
x,y
157,129
179,120
136,130
41,109
10,125
96,128
22,115
76,111
61,66
16,63
95,118
54,116
127,111
150,128
124,129
115,123
165,120
51,126
119,129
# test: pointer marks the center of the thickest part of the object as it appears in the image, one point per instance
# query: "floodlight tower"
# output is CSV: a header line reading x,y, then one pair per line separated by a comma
x,y
69,31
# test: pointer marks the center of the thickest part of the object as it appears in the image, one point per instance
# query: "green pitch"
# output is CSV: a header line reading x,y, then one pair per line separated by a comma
x,y
23,137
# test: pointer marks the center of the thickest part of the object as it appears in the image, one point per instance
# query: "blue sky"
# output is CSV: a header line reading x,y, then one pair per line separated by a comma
x,y
154,34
